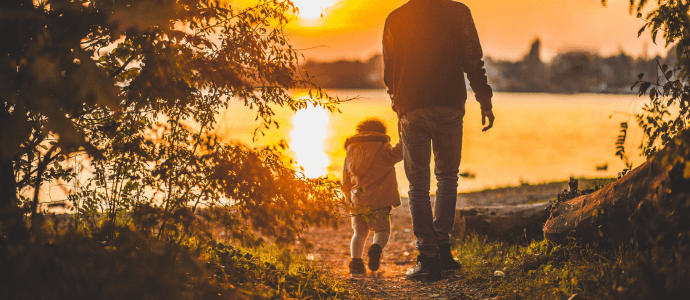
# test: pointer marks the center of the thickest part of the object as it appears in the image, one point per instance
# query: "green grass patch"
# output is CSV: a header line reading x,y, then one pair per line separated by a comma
x,y
544,270
271,271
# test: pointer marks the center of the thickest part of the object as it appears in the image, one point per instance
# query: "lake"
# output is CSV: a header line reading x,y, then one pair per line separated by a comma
x,y
536,137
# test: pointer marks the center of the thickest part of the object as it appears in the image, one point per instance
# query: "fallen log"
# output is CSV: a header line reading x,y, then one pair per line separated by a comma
x,y
504,222
651,203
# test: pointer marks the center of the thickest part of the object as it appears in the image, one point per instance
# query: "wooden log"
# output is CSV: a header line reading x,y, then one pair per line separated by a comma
x,y
503,222
627,209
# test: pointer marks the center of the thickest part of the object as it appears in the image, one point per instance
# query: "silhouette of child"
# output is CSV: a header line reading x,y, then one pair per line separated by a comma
x,y
370,184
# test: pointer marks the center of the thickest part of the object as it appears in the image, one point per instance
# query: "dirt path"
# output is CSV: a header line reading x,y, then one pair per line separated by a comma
x,y
331,248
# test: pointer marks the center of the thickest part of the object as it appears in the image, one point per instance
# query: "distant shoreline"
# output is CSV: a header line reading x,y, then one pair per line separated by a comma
x,y
499,91
517,195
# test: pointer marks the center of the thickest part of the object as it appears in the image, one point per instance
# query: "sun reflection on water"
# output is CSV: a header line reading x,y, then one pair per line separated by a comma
x,y
307,140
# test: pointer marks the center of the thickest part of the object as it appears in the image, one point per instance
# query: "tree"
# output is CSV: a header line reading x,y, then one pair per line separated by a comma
x,y
136,85
669,87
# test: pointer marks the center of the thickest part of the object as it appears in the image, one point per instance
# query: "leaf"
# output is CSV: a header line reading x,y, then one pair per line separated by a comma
x,y
644,87
639,33
640,76
669,74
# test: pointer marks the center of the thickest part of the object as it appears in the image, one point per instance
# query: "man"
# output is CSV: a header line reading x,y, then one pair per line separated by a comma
x,y
427,45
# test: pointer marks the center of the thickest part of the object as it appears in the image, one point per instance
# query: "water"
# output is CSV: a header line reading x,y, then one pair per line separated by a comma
x,y
536,137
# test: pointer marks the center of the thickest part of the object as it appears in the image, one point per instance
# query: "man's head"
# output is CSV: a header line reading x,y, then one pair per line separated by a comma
x,y
371,124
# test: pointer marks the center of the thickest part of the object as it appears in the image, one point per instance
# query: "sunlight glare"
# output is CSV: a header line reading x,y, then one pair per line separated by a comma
x,y
312,9
308,137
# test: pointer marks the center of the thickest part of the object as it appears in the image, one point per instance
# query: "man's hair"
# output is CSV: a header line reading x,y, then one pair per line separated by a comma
x,y
371,124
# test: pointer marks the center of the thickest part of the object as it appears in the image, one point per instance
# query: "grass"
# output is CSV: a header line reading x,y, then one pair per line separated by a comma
x,y
272,271
136,266
544,270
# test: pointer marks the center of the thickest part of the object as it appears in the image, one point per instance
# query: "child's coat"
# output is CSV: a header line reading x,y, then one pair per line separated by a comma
x,y
369,180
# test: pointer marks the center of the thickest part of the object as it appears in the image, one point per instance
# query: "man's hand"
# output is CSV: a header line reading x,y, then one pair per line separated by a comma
x,y
487,114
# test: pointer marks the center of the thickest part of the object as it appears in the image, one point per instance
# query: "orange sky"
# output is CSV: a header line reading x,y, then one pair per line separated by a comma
x,y
352,29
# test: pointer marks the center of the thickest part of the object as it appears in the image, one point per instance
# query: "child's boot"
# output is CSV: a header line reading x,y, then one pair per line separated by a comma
x,y
357,266
374,254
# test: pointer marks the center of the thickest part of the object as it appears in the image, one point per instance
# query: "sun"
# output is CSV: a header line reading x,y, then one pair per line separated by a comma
x,y
312,9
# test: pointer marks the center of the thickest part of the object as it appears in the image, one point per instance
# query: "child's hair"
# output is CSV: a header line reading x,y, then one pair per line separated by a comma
x,y
371,124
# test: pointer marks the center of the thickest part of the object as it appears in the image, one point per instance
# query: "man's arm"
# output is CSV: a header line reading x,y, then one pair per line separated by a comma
x,y
388,61
472,63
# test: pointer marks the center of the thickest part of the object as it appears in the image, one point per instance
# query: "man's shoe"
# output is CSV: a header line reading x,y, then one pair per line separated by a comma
x,y
447,261
427,269
374,254
357,266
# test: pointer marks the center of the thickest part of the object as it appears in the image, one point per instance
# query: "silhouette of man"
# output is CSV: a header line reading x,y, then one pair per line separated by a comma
x,y
427,46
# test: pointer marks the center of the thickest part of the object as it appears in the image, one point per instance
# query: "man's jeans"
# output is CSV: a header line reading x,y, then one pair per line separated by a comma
x,y
442,128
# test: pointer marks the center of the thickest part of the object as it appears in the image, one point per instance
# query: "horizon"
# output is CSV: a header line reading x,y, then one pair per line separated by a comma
x,y
517,59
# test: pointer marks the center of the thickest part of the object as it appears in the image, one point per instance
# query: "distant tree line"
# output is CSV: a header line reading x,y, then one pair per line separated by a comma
x,y
571,72
575,71
346,74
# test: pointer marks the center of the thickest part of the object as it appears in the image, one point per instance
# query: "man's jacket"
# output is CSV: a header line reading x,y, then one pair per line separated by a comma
x,y
369,180
427,45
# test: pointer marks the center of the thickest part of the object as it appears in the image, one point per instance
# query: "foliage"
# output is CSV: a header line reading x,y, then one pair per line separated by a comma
x,y
115,102
139,93
134,266
543,270
282,271
668,111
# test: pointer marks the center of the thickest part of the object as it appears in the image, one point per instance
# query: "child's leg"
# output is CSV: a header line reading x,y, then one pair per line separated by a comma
x,y
359,237
381,238
382,227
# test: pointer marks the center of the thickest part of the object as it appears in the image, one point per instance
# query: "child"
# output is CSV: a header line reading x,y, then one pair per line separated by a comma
x,y
369,183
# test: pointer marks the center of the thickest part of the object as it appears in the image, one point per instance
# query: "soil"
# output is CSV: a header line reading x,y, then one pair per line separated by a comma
x,y
331,248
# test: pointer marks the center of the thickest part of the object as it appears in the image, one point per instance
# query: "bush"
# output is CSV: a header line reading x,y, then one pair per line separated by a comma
x,y
134,266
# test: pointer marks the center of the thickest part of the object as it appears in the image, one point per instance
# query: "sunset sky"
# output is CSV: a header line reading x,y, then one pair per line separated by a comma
x,y
352,29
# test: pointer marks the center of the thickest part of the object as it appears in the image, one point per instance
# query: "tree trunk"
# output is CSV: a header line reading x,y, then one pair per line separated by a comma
x,y
8,190
652,199
11,219
503,222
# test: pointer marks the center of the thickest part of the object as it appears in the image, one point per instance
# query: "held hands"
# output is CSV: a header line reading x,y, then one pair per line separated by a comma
x,y
488,114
